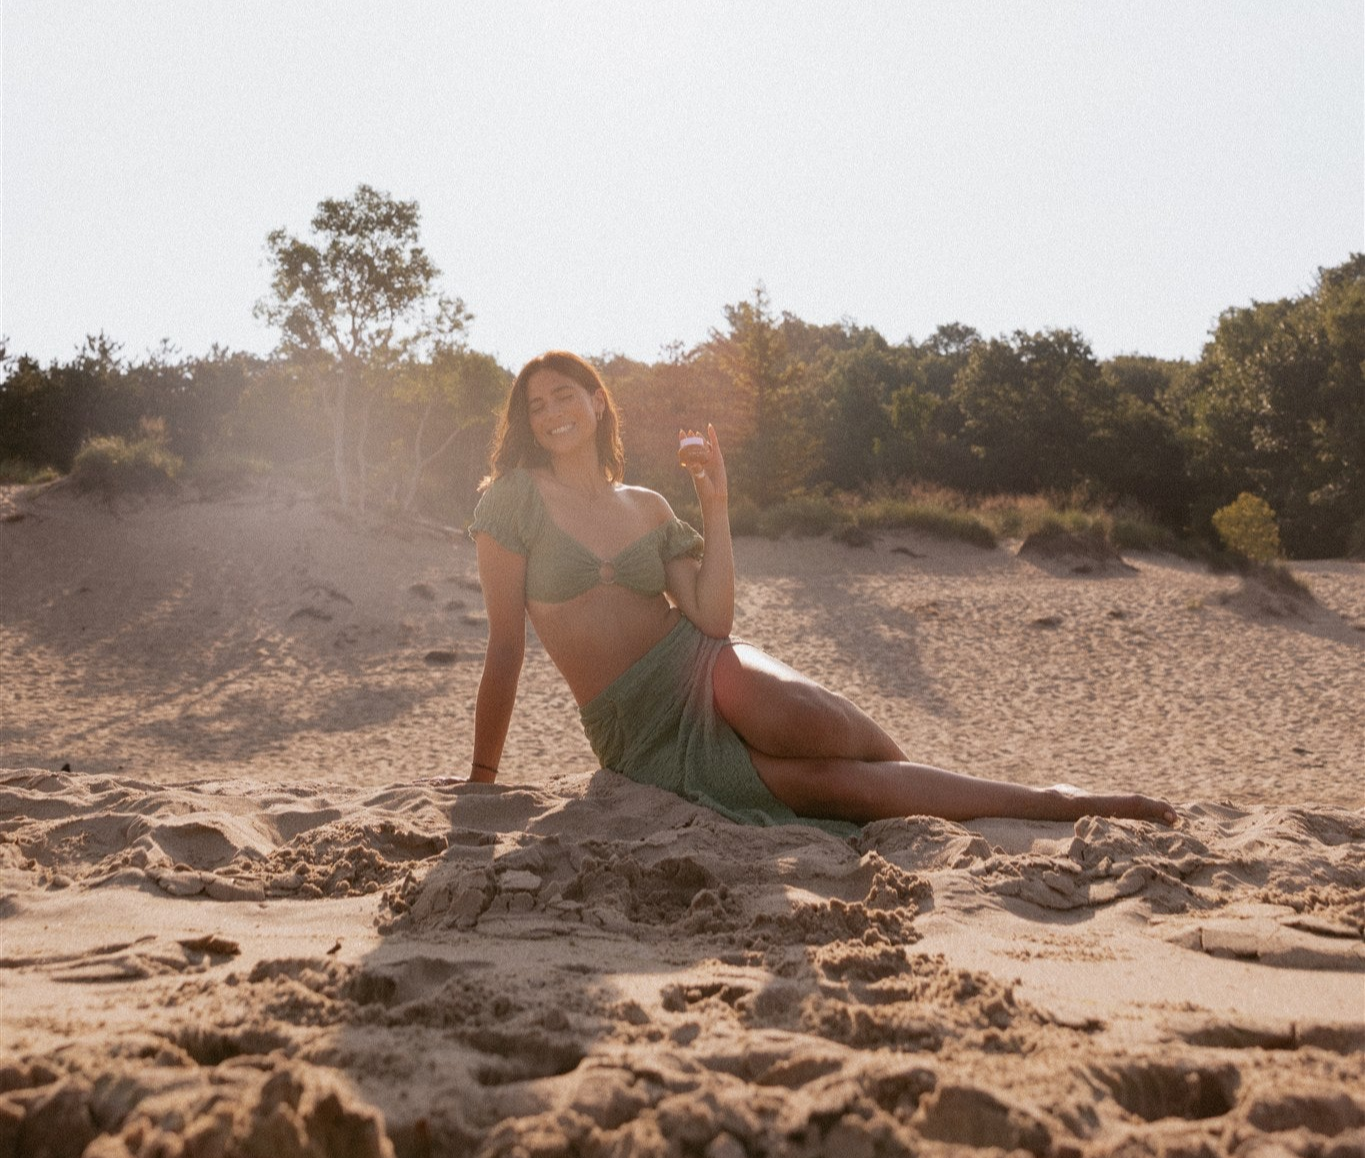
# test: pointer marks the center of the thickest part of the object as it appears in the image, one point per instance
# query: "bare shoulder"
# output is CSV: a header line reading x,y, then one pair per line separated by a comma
x,y
650,505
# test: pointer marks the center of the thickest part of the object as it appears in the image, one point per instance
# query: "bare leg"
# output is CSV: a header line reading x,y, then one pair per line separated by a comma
x,y
777,710
863,791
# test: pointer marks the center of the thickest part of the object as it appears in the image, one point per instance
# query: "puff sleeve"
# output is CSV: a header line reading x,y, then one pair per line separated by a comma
x,y
681,539
502,512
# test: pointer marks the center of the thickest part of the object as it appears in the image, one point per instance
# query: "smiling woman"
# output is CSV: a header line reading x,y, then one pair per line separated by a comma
x,y
635,610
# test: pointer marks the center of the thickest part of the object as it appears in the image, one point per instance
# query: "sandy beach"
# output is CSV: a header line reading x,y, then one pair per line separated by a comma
x,y
241,912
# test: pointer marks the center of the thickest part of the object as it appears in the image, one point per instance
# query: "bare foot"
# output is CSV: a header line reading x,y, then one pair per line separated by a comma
x,y
1131,806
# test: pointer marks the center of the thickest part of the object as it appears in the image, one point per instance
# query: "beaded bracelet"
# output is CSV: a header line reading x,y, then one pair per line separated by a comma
x,y
484,767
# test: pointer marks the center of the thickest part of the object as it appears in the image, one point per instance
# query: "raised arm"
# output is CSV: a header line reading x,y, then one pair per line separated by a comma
x,y
502,574
706,592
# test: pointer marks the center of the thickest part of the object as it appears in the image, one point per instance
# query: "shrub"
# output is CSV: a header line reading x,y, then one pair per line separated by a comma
x,y
1355,540
745,516
1134,533
111,465
931,516
1247,526
1019,516
14,471
223,475
803,515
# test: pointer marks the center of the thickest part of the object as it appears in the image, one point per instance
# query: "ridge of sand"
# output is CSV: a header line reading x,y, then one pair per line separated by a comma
x,y
271,931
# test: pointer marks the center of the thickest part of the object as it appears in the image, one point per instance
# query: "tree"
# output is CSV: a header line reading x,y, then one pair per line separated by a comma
x,y
876,413
46,415
435,402
358,299
779,453
1029,405
1276,407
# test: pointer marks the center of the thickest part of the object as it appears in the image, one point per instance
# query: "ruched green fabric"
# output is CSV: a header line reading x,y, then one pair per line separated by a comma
x,y
657,724
558,566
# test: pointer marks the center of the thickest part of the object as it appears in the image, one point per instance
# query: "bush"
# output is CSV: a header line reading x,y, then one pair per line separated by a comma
x,y
1355,541
1019,516
745,517
1248,527
1134,533
220,476
14,471
804,516
110,465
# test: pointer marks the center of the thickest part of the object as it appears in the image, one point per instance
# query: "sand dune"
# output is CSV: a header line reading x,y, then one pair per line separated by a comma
x,y
248,920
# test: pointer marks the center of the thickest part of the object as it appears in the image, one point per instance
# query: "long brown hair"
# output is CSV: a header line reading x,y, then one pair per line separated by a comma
x,y
515,445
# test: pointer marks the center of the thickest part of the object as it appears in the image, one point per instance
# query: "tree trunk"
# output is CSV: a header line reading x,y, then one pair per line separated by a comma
x,y
362,466
420,462
338,411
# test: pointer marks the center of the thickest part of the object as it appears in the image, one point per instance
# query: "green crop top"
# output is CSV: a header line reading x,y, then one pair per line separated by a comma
x,y
558,566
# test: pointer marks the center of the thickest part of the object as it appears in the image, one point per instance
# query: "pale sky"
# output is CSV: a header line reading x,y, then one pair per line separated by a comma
x,y
607,176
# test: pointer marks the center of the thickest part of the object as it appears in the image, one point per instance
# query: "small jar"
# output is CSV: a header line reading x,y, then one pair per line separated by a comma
x,y
692,451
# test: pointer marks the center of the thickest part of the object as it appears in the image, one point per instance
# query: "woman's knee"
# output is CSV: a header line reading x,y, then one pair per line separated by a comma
x,y
831,789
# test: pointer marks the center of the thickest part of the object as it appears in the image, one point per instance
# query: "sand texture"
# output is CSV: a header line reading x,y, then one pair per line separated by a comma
x,y
250,918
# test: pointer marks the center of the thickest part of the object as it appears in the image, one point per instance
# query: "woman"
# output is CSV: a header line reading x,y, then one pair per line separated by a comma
x,y
637,617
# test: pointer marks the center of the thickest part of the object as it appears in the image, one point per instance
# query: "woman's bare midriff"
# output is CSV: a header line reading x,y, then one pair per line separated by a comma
x,y
595,637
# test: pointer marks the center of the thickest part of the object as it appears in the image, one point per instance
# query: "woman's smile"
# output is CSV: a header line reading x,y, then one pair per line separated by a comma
x,y
560,410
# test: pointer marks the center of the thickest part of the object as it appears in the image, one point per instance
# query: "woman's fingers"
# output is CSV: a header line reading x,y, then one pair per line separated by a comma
x,y
708,474
716,464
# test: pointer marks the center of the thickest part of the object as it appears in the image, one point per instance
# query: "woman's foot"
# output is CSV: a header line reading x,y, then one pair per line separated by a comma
x,y
1131,806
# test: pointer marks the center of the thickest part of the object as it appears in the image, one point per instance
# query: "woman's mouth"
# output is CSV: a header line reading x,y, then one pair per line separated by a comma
x,y
561,429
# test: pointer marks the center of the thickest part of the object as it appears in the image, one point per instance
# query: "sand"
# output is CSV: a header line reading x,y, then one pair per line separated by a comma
x,y
249,917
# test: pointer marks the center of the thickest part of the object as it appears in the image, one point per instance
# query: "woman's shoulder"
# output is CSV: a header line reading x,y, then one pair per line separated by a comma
x,y
647,502
506,510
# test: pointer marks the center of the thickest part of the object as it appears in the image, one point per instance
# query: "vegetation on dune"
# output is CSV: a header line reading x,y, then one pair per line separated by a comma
x,y
374,393
111,465
1247,527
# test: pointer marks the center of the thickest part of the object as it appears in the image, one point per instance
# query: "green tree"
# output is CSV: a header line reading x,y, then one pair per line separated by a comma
x,y
1138,452
779,453
1276,407
356,301
877,413
1029,404
46,415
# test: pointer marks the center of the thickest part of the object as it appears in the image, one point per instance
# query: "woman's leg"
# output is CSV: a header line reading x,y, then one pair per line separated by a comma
x,y
863,791
777,710
822,756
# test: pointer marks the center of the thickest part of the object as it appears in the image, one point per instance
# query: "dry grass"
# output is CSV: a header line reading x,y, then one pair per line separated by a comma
x,y
112,466
856,518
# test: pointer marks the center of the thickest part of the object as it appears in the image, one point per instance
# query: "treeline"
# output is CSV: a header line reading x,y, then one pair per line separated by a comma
x,y
374,393
1274,407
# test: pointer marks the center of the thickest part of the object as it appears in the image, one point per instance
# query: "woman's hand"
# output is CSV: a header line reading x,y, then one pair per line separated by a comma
x,y
708,475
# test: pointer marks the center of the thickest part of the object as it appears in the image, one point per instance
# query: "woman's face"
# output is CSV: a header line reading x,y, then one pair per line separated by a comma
x,y
563,414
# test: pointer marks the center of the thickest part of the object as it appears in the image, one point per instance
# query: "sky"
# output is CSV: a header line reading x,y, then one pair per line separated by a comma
x,y
607,176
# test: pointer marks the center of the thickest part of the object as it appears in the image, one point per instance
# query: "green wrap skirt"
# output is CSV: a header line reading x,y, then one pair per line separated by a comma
x,y
657,724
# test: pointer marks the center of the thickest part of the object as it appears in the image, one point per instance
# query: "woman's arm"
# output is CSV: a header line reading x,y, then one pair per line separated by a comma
x,y
502,574
706,592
